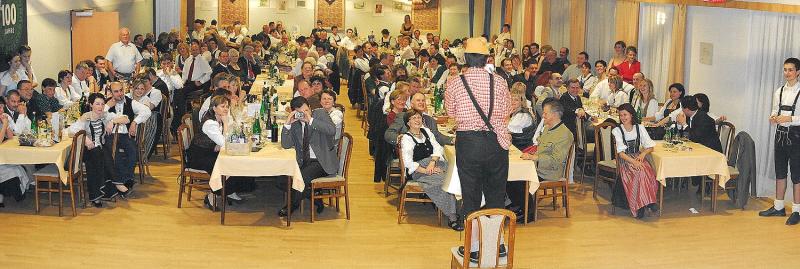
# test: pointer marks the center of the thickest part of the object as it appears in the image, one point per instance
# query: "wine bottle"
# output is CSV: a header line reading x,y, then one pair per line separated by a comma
x,y
256,130
268,127
34,125
274,129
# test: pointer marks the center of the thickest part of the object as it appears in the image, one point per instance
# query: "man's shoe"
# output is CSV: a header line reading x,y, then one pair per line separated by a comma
x,y
284,211
319,206
793,219
772,212
456,225
502,251
473,256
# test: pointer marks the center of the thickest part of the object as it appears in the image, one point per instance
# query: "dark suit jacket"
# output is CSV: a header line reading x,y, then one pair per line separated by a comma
x,y
703,130
219,68
505,75
243,63
569,110
322,140
530,84
399,127
161,86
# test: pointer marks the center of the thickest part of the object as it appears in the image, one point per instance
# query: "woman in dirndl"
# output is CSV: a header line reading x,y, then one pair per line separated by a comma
x,y
638,179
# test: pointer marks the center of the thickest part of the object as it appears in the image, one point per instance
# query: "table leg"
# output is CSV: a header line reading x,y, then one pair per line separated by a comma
x,y
702,191
289,201
714,194
660,199
222,213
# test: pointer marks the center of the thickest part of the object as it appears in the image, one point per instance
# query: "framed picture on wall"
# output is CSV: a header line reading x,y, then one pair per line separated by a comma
x,y
378,12
359,4
301,3
263,3
282,7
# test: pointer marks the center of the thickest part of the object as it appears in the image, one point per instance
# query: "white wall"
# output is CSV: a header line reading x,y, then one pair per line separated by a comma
x,y
49,28
454,16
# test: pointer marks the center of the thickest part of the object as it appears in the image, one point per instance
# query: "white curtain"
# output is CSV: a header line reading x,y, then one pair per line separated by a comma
x,y
517,19
600,29
655,39
773,38
559,24
168,15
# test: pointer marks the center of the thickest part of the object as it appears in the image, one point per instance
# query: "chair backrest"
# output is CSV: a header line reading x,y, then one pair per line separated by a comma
x,y
603,142
568,165
165,115
726,133
148,134
345,151
491,232
187,121
183,143
76,154
580,134
398,149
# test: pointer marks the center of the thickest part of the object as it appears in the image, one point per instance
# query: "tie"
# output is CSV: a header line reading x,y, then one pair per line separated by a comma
x,y
689,122
191,69
306,140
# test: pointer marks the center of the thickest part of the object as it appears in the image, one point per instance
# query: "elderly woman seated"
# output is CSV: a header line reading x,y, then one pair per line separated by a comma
x,y
422,157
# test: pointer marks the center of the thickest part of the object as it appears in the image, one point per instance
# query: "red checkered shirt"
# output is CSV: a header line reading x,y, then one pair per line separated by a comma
x,y
460,107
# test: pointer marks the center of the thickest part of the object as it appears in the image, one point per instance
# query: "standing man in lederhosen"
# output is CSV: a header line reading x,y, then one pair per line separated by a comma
x,y
787,142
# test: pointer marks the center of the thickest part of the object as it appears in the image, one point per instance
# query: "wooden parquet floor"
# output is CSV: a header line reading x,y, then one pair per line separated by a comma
x,y
149,231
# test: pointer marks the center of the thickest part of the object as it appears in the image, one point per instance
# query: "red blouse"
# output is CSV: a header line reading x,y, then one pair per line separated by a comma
x,y
627,69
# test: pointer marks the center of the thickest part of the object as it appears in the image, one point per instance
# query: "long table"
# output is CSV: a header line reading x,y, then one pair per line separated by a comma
x,y
272,160
518,170
12,153
699,161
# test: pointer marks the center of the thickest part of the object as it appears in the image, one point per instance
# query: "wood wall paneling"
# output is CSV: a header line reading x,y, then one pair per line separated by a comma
x,y
92,36
529,25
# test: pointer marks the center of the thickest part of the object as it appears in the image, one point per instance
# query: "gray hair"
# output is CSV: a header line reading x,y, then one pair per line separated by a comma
x,y
555,107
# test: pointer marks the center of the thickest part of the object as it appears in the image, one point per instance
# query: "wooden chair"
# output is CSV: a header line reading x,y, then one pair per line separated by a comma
x,y
334,185
555,186
604,154
726,133
393,171
187,121
198,179
145,141
166,119
409,187
584,151
491,225
364,107
50,175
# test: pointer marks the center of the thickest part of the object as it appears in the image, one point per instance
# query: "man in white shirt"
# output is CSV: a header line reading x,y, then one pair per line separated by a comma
x,y
81,80
18,112
126,152
123,56
196,73
787,145
199,32
574,70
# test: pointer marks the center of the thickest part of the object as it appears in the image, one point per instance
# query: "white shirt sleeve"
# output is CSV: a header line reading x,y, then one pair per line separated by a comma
x,y
438,150
62,97
214,131
362,64
22,125
204,107
141,111
621,146
518,122
538,132
407,146
652,108
155,96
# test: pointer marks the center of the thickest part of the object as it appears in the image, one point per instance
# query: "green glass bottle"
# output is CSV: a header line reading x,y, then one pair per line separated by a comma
x,y
256,130
274,137
34,124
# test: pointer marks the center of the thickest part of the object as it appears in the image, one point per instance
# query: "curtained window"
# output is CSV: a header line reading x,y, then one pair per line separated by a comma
x,y
600,27
655,41
559,25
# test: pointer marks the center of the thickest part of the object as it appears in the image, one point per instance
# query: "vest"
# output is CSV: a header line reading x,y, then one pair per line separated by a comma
x,y
423,149
127,110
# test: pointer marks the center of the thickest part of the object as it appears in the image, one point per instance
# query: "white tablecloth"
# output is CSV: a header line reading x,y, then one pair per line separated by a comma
x,y
12,153
518,170
272,160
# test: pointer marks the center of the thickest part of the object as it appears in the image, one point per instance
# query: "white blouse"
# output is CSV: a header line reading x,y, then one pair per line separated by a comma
x,y
83,124
589,81
645,142
65,96
213,130
652,106
519,121
673,115
601,90
617,99
408,143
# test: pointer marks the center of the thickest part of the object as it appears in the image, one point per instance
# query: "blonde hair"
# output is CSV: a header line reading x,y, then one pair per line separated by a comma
x,y
518,90
399,90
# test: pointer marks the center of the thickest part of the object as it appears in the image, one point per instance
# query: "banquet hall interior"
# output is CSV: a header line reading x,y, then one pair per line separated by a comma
x,y
324,133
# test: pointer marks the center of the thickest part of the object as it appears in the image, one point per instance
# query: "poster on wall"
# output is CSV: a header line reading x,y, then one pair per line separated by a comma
x,y
301,3
263,3
13,28
378,9
359,4
283,7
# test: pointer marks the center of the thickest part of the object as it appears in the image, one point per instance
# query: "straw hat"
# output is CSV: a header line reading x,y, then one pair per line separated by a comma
x,y
476,45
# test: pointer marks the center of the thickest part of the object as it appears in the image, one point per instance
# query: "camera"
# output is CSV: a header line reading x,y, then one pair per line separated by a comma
x,y
299,115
